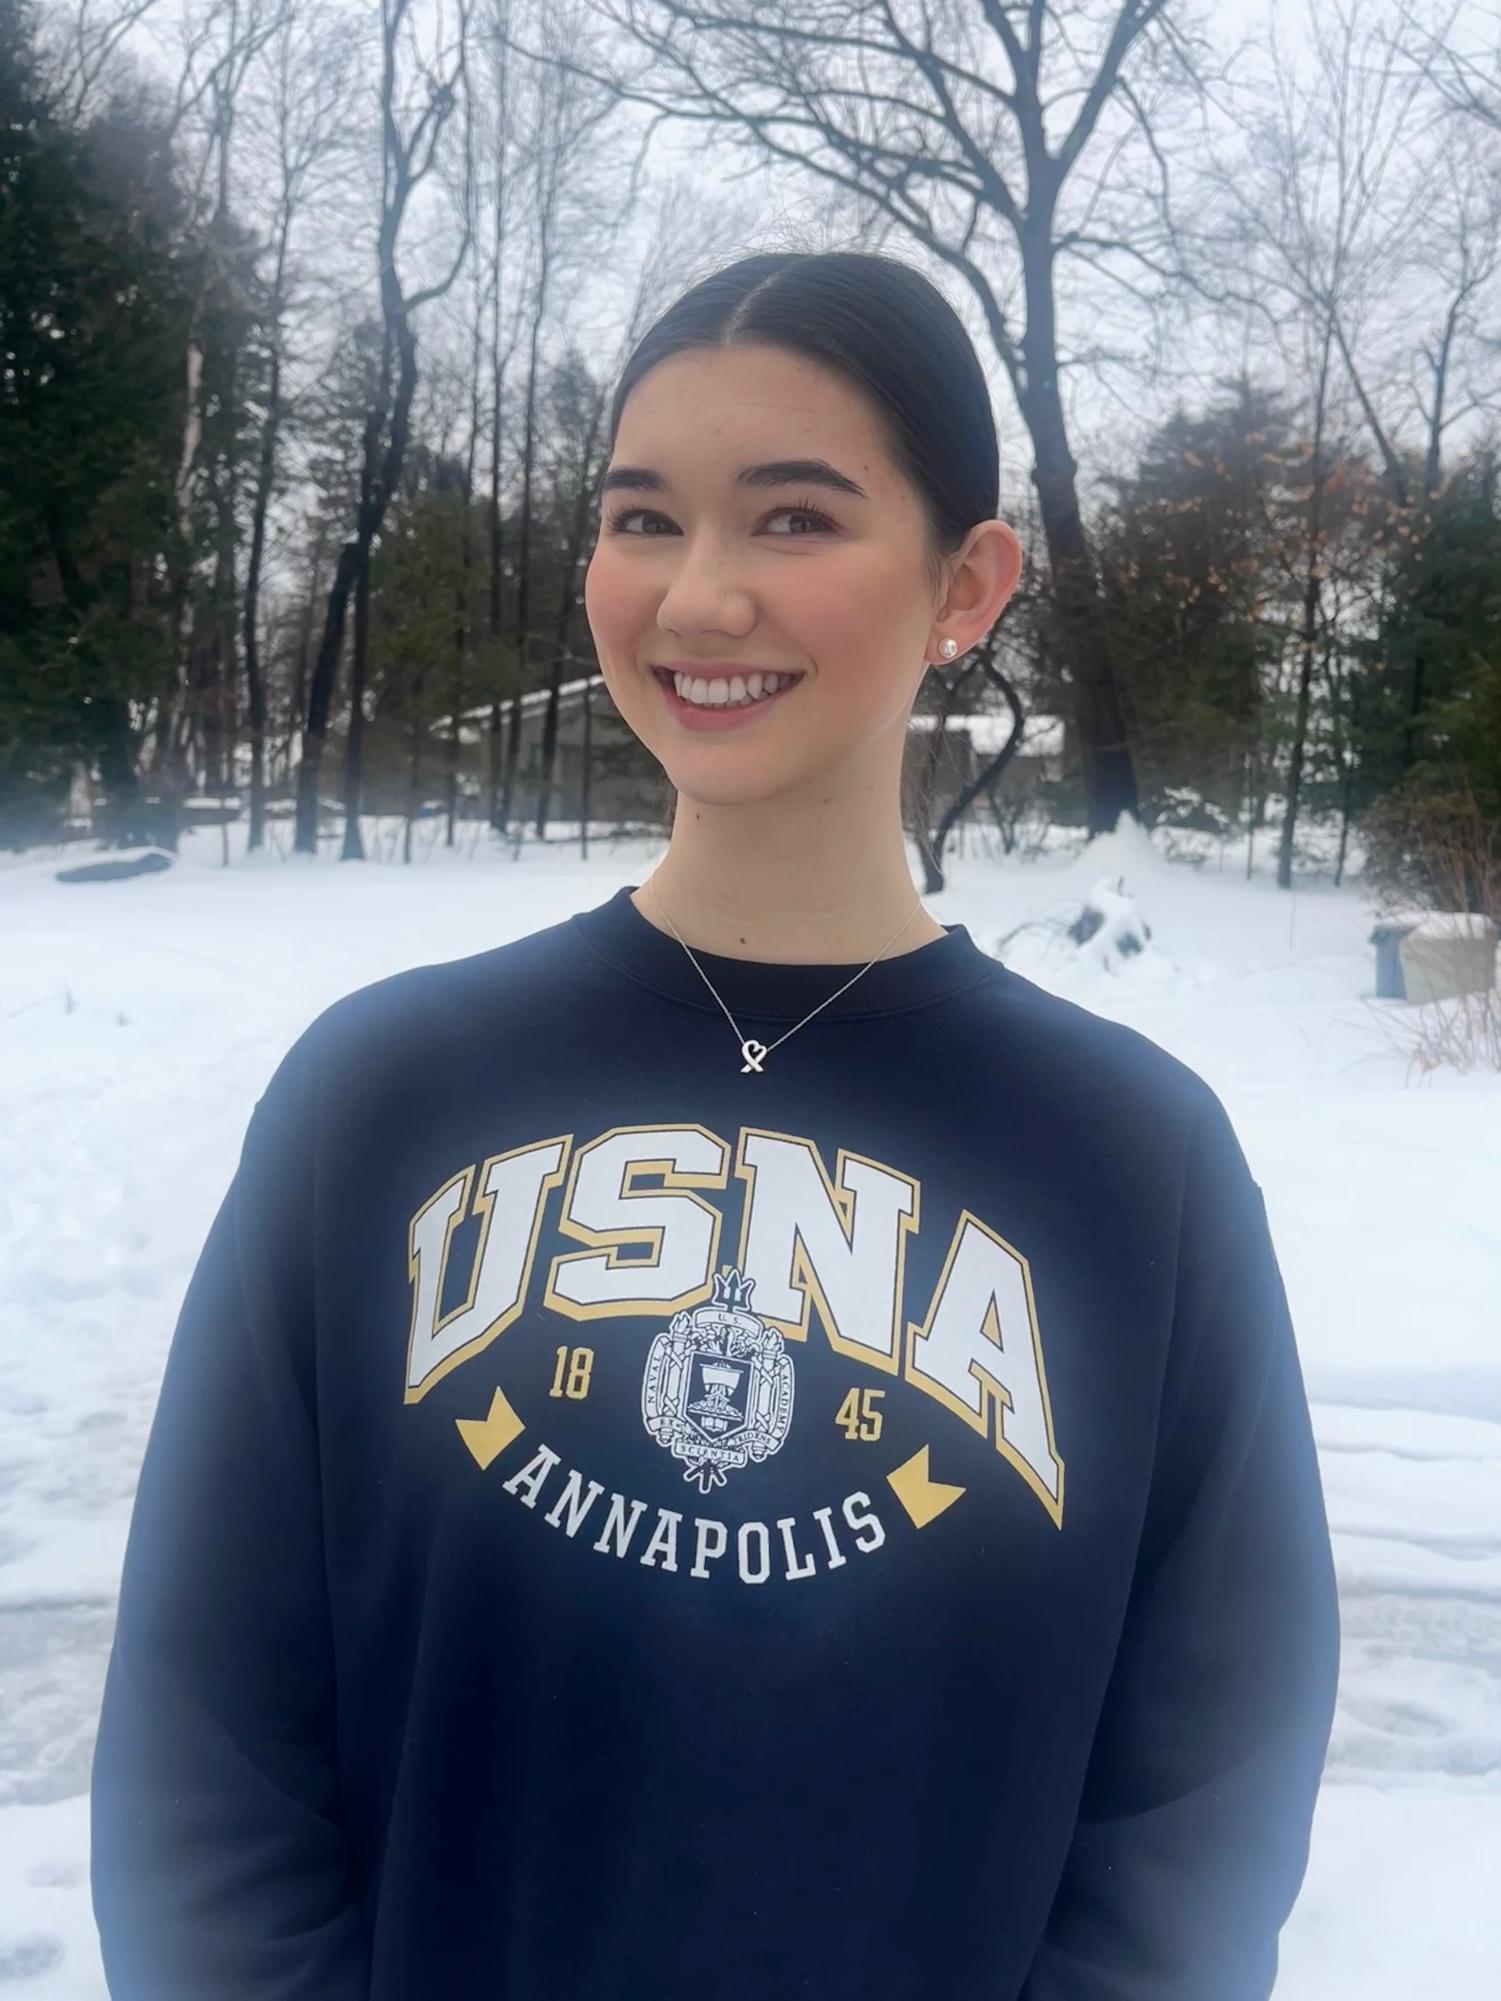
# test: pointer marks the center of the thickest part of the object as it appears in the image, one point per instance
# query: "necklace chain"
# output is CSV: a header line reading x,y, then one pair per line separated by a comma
x,y
756,1053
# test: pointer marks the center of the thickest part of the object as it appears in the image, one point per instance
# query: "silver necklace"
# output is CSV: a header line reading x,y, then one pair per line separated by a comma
x,y
756,1053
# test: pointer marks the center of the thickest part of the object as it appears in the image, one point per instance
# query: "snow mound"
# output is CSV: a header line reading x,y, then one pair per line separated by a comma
x,y
1128,853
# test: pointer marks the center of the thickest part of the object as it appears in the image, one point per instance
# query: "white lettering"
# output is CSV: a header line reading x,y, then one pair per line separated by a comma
x,y
796,1567
615,1536
792,1553
531,1476
701,1546
824,1518
664,1541
512,1190
569,1498
807,1239
860,1522
754,1531
979,1350
604,1207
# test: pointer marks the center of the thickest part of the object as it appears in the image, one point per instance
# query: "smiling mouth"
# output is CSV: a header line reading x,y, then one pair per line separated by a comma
x,y
713,696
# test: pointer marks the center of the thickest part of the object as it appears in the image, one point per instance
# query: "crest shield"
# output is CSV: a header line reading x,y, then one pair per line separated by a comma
x,y
717,1390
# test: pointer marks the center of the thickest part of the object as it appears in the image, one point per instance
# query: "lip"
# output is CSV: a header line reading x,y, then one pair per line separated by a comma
x,y
693,718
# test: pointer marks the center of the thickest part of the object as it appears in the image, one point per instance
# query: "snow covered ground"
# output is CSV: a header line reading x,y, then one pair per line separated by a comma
x,y
139,1021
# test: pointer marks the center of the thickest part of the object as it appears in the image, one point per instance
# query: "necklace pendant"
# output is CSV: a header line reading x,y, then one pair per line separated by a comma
x,y
754,1053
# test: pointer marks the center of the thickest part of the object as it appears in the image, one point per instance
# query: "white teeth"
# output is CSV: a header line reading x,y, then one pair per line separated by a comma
x,y
736,691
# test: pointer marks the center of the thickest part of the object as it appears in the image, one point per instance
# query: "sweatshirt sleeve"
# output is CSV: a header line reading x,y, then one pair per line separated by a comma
x,y
218,1865
1192,1833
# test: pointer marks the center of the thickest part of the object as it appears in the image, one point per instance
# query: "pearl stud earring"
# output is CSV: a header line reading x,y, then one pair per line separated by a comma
x,y
949,648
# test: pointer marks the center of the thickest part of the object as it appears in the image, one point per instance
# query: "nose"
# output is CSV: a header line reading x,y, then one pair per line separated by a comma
x,y
704,594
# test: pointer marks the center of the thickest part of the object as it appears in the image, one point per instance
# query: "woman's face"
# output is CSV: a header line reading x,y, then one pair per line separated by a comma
x,y
716,553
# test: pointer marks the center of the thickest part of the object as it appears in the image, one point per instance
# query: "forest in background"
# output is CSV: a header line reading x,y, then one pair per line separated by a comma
x,y
310,315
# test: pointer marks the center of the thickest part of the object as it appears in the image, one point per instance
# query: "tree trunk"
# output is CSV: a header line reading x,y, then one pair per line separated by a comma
x,y
461,633
460,676
298,714
1422,523
584,772
1109,778
125,819
578,530
380,468
255,693
549,748
320,698
1308,634
500,50
1307,639
353,849
512,759
493,808
524,553
414,770
384,474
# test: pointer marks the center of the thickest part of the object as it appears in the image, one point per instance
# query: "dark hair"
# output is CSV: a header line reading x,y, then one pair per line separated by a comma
x,y
889,331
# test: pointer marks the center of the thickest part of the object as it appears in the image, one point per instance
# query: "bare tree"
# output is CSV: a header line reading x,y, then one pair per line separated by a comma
x,y
499,120
1458,248
1468,78
218,43
665,255
565,231
1457,370
462,617
1326,225
86,40
968,125
309,86
1304,211
420,91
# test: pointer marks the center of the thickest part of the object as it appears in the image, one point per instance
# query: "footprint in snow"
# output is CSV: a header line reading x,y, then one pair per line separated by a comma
x,y
28,1958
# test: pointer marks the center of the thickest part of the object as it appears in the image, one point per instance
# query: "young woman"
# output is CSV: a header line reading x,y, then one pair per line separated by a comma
x,y
732,1445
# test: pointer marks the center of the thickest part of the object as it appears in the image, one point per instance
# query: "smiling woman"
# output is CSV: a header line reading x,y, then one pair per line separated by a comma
x,y
800,488
732,1442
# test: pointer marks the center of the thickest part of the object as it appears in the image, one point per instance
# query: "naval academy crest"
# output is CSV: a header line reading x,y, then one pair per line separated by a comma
x,y
717,1391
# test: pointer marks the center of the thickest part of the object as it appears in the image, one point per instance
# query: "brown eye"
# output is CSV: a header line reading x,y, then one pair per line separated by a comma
x,y
618,520
821,522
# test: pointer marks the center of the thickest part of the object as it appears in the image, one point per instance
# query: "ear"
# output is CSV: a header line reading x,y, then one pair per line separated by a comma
x,y
984,574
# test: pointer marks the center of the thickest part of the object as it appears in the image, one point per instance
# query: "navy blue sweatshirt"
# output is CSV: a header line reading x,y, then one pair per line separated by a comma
x,y
628,1521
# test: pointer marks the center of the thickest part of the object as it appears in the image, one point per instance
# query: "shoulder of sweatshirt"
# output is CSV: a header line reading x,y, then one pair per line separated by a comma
x,y
515,975
387,1019
1068,1043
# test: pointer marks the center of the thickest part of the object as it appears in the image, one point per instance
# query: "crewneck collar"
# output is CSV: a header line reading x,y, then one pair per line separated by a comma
x,y
759,989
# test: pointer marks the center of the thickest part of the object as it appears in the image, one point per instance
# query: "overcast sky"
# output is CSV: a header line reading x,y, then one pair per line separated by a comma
x,y
1111,407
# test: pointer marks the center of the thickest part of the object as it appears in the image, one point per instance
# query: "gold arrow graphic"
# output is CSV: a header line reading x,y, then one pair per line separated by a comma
x,y
488,1437
923,1497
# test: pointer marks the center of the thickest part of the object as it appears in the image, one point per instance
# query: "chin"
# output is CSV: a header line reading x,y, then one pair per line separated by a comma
x,y
702,785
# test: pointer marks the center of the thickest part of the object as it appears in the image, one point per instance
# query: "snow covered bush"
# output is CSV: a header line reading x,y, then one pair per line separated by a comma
x,y
1110,927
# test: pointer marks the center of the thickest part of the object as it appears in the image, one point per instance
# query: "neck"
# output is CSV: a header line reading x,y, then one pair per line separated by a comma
x,y
821,879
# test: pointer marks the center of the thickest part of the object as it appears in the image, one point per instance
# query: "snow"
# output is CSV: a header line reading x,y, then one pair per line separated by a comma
x,y
140,1019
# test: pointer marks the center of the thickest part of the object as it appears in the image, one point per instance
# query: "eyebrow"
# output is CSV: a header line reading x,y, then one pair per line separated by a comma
x,y
775,472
